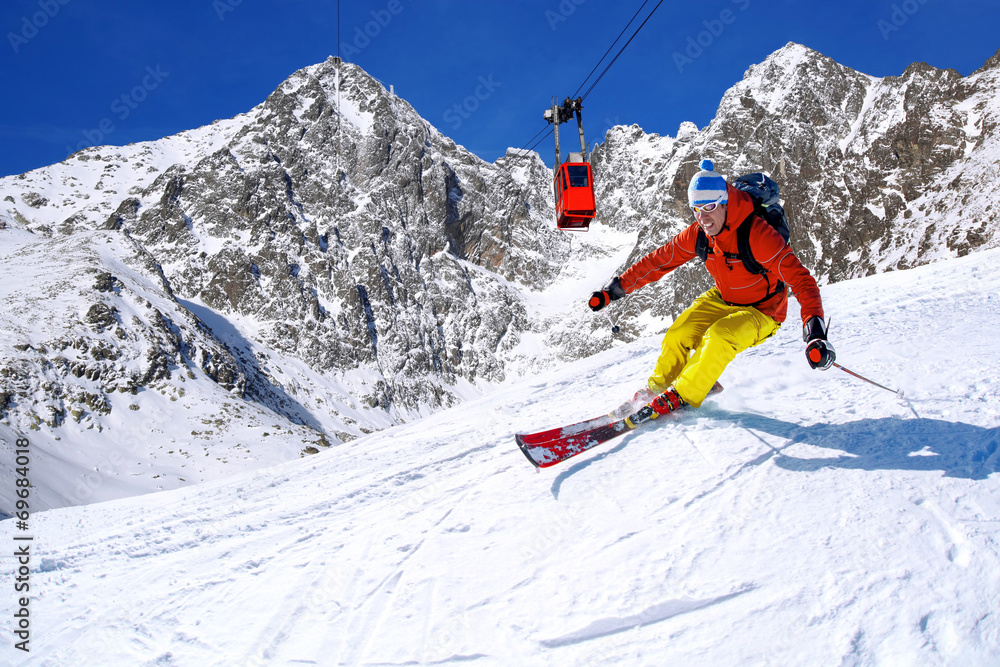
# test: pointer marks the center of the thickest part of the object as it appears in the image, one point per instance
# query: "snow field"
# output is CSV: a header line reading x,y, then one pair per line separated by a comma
x,y
798,518
176,432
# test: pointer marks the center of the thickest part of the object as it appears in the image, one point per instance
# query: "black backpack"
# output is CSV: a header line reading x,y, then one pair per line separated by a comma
x,y
764,193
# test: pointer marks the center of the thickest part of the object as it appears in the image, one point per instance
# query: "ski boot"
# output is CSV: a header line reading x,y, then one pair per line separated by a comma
x,y
643,396
666,402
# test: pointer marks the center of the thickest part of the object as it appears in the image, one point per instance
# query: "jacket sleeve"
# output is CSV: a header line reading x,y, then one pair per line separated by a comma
x,y
775,255
661,261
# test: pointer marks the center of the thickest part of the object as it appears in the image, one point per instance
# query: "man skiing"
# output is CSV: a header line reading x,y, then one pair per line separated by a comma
x,y
742,310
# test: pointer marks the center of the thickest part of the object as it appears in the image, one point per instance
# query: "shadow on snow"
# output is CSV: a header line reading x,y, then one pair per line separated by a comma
x,y
889,443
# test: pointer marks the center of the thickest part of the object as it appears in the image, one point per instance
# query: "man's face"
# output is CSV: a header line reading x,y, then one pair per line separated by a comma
x,y
713,221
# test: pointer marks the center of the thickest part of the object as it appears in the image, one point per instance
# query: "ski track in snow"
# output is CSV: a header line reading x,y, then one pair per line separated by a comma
x,y
798,518
655,614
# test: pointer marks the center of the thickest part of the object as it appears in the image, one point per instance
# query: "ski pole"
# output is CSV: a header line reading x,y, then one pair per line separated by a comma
x,y
861,377
614,327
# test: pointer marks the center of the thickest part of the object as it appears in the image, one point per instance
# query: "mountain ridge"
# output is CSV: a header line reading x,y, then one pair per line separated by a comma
x,y
345,266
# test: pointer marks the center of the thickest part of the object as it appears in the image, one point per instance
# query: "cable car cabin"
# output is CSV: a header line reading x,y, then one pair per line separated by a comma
x,y
574,186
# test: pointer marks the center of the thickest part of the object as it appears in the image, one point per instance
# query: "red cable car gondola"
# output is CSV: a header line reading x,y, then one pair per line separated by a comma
x,y
573,182
574,195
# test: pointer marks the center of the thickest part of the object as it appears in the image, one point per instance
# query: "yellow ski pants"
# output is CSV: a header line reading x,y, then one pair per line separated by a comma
x,y
702,341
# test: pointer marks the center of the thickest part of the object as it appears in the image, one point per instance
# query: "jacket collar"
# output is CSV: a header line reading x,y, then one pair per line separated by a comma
x,y
738,208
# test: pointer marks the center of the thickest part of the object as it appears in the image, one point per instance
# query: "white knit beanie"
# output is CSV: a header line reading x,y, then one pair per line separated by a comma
x,y
707,186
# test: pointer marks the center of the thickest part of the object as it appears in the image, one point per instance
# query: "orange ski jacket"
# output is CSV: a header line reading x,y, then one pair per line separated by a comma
x,y
737,285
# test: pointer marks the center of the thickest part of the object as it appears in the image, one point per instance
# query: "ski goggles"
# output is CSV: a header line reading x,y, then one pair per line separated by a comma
x,y
709,207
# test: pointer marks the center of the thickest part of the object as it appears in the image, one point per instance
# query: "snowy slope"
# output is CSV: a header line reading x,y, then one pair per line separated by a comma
x,y
164,421
84,188
799,518
344,309
336,265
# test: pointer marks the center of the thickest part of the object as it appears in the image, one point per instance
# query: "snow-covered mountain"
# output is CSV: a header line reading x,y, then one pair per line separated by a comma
x,y
318,276
329,264
876,173
798,518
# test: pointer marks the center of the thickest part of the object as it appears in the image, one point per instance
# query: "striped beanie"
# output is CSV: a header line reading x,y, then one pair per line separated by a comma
x,y
707,186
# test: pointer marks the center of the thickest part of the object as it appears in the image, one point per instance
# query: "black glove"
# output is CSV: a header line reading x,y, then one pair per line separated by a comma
x,y
612,292
819,351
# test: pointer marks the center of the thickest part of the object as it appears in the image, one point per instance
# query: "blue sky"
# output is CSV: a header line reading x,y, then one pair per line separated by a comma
x,y
79,72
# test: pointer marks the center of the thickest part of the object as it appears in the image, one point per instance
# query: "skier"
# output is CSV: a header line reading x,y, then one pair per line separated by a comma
x,y
741,311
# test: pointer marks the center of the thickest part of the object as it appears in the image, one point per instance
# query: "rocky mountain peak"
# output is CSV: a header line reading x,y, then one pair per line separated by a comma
x,y
330,259
992,63
864,164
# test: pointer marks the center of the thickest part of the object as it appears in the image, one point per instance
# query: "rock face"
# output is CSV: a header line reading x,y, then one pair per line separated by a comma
x,y
331,259
876,174
352,239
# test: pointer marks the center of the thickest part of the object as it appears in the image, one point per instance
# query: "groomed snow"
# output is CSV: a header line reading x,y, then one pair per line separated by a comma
x,y
799,518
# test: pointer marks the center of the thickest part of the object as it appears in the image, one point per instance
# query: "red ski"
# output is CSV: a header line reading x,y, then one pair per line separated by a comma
x,y
564,431
547,448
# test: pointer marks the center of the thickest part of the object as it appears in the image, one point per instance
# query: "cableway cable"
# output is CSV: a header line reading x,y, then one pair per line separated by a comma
x,y
340,65
548,130
645,2
622,50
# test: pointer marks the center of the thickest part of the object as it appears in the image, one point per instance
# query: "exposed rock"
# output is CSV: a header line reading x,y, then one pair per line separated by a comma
x,y
331,259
